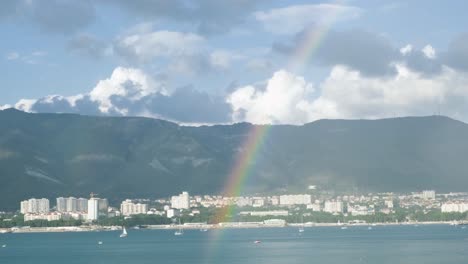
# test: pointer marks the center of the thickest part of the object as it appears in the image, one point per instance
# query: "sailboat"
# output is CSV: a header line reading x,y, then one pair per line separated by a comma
x,y
179,232
124,232
301,227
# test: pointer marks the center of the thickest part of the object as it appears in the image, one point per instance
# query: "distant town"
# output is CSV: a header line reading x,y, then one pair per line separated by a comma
x,y
309,208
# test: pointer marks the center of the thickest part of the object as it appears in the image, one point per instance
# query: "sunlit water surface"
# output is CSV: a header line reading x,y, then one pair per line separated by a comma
x,y
389,244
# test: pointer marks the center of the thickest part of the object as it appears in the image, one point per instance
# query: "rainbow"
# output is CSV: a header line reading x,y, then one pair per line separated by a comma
x,y
242,168
312,37
245,160
243,165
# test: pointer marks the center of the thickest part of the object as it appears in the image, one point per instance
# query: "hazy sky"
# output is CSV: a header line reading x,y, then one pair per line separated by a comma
x,y
213,61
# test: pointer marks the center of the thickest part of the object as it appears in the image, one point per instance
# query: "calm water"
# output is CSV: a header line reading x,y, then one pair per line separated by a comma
x,y
397,244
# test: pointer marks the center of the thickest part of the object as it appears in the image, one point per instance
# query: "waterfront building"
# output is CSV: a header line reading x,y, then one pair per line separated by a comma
x,y
454,207
61,204
266,213
295,199
129,208
275,222
359,210
71,204
97,207
24,207
181,201
34,206
93,208
42,216
333,207
82,205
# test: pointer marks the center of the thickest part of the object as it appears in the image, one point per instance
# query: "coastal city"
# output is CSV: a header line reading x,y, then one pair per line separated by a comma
x,y
199,211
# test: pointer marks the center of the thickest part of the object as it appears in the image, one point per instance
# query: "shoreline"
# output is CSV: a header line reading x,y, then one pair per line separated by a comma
x,y
202,226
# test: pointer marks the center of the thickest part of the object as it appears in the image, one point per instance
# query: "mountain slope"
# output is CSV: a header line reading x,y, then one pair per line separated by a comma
x,y
49,155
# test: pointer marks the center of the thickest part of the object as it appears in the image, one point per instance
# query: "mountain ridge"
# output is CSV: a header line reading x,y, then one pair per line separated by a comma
x,y
50,155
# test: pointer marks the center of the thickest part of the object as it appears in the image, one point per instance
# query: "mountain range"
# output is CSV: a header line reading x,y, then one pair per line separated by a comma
x,y
51,155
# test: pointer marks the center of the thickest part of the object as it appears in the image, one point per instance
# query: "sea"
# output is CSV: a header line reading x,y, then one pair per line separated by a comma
x,y
356,244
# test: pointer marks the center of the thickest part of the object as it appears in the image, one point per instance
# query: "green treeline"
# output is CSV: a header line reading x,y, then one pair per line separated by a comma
x,y
216,215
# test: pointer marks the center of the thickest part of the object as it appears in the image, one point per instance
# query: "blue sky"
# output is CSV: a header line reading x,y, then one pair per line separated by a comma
x,y
228,61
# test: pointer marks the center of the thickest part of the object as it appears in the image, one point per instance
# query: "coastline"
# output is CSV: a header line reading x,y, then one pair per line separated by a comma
x,y
196,226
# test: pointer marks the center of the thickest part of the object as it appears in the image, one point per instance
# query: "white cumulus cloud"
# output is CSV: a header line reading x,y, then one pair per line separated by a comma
x,y
25,104
133,92
429,52
281,101
133,84
346,93
406,49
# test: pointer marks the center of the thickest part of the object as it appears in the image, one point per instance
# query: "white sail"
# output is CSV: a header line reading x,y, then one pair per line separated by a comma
x,y
124,232
179,232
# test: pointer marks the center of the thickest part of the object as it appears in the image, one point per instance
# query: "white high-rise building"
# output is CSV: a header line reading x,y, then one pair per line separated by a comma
x,y
103,207
82,205
61,204
129,208
428,195
35,206
71,204
182,201
295,199
24,207
93,208
333,207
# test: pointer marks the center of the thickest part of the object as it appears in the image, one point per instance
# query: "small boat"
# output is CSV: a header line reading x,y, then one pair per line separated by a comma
x,y
344,227
369,228
203,230
180,231
99,243
301,228
4,246
257,242
124,232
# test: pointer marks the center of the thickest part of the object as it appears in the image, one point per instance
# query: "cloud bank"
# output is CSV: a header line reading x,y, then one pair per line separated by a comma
x,y
133,92
285,98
